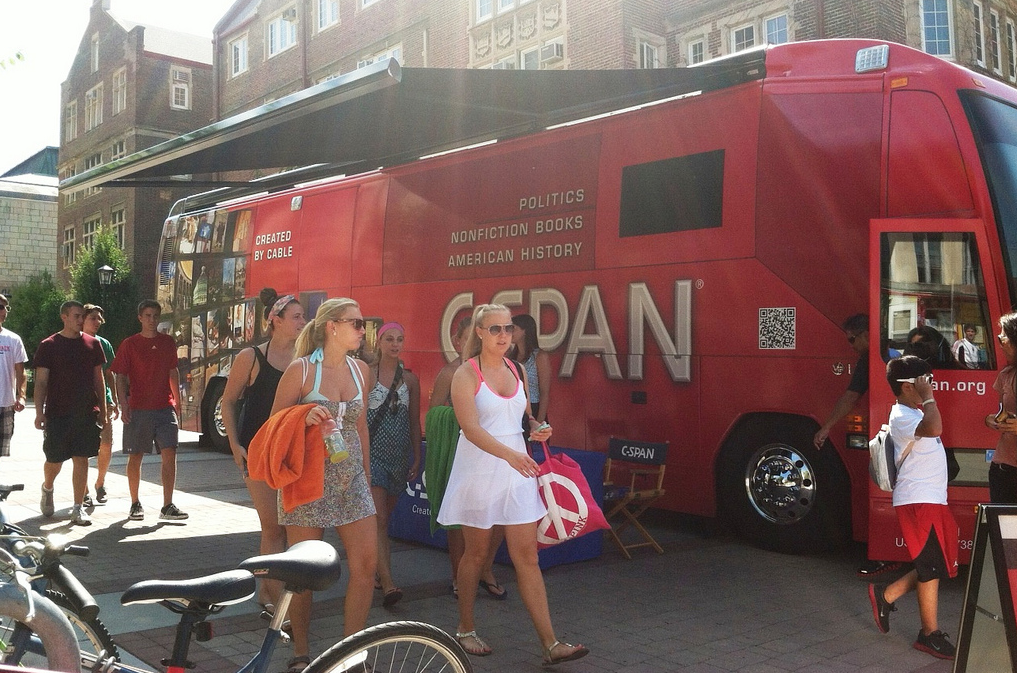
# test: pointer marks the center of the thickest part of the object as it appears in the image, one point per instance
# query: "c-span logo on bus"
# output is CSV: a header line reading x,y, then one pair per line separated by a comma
x,y
566,509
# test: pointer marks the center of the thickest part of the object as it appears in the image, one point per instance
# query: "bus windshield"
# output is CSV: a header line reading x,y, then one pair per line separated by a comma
x,y
994,123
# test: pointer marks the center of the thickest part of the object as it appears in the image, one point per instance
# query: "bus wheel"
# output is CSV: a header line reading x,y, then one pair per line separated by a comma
x,y
778,492
213,430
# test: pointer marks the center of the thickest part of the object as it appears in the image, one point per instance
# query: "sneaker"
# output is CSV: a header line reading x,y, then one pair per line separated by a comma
x,y
79,516
46,504
936,644
171,512
100,495
87,502
137,512
881,608
873,568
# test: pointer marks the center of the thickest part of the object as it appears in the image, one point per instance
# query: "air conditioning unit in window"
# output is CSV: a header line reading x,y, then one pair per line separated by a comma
x,y
290,14
504,65
552,52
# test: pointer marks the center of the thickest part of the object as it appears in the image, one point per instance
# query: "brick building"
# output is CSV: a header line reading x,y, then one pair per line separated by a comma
x,y
28,219
131,86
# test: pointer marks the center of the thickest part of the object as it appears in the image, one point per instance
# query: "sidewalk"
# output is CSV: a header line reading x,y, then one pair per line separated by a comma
x,y
707,605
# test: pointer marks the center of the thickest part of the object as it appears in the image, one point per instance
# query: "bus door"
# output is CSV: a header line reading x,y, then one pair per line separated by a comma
x,y
928,297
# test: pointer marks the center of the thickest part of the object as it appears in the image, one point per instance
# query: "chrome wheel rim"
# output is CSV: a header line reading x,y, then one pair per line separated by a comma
x,y
780,484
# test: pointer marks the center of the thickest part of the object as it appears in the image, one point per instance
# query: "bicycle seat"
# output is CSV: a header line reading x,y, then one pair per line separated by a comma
x,y
311,564
7,489
225,588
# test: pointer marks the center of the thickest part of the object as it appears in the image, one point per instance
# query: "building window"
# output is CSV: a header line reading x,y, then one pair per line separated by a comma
x,y
93,107
529,59
328,13
697,52
69,172
93,53
282,32
648,56
505,5
367,3
238,56
979,35
180,88
118,220
67,250
936,28
506,63
997,63
1011,51
120,91
484,10
118,151
776,29
89,229
394,52
91,162
743,38
71,121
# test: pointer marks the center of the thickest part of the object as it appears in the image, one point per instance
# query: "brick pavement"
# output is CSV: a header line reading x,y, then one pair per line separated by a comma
x,y
709,604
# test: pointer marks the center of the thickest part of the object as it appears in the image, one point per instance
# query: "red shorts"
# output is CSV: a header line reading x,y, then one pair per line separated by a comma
x,y
917,523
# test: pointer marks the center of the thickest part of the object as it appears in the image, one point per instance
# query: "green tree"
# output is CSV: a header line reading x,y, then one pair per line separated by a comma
x,y
120,300
35,311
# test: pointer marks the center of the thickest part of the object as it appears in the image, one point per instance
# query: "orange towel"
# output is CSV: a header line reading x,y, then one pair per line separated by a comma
x,y
289,456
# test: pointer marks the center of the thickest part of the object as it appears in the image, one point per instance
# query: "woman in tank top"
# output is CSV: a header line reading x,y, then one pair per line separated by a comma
x,y
324,373
493,481
254,377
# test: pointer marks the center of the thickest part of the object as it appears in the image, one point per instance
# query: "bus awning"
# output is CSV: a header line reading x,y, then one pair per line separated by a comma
x,y
384,114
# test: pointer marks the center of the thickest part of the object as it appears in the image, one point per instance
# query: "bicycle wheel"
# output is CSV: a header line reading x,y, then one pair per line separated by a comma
x,y
93,637
395,647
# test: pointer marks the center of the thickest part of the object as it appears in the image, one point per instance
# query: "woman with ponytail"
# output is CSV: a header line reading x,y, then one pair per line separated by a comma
x,y
325,374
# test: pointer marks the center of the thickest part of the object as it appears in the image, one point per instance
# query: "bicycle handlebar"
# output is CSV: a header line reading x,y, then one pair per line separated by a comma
x,y
44,618
83,602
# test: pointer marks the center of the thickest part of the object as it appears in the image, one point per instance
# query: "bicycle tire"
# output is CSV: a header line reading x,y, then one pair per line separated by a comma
x,y
396,647
93,636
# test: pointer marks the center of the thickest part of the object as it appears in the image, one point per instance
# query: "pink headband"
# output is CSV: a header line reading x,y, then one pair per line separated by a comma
x,y
390,325
279,305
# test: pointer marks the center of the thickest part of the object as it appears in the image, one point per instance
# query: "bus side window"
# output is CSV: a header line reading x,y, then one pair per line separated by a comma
x,y
933,300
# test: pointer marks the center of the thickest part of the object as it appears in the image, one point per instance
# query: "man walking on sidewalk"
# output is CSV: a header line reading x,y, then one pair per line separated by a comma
x,y
148,387
70,406
12,378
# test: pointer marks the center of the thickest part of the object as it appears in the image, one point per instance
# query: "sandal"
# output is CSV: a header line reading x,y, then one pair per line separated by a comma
x,y
575,652
392,596
497,591
479,647
297,664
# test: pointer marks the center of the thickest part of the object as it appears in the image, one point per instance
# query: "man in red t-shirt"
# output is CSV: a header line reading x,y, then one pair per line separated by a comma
x,y
148,387
70,405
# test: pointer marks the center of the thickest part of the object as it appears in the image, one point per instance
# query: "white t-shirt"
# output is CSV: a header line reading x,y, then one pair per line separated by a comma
x,y
12,352
922,477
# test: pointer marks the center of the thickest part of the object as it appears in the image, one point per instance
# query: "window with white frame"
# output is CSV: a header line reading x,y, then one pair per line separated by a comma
x,y
326,78
93,107
395,52
743,38
92,161
120,91
649,56
71,121
485,8
69,172
979,34
93,53
366,3
67,250
282,32
180,88
238,56
118,150
936,38
89,228
697,52
118,220
776,29
505,63
529,59
328,13
994,58
1011,50
505,5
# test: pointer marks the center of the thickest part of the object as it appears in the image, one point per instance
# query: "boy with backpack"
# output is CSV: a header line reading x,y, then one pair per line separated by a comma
x,y
919,500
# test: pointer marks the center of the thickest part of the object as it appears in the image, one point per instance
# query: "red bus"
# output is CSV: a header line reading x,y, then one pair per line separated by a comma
x,y
689,262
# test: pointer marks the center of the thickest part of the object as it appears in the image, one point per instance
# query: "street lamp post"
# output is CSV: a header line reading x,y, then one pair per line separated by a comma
x,y
105,279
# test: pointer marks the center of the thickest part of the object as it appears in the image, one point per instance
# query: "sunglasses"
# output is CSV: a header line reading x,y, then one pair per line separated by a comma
x,y
5,307
915,379
498,329
357,323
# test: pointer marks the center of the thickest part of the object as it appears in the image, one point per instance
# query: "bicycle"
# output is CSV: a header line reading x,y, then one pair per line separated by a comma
x,y
38,559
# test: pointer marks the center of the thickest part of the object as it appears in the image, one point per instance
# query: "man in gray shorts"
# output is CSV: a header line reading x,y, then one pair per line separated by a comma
x,y
148,387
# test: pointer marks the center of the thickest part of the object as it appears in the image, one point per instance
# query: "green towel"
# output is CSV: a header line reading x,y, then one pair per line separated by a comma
x,y
442,431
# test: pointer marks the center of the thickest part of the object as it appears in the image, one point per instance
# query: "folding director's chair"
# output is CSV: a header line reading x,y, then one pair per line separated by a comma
x,y
633,481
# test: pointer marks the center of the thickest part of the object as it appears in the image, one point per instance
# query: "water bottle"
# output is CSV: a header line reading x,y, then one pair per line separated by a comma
x,y
334,442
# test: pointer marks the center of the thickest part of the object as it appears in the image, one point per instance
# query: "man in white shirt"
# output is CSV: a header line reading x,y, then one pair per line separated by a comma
x,y
965,350
12,378
919,500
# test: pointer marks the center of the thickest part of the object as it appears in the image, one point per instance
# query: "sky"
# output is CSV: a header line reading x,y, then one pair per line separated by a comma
x,y
47,33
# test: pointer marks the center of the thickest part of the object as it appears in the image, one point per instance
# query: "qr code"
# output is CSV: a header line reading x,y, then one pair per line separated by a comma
x,y
777,328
